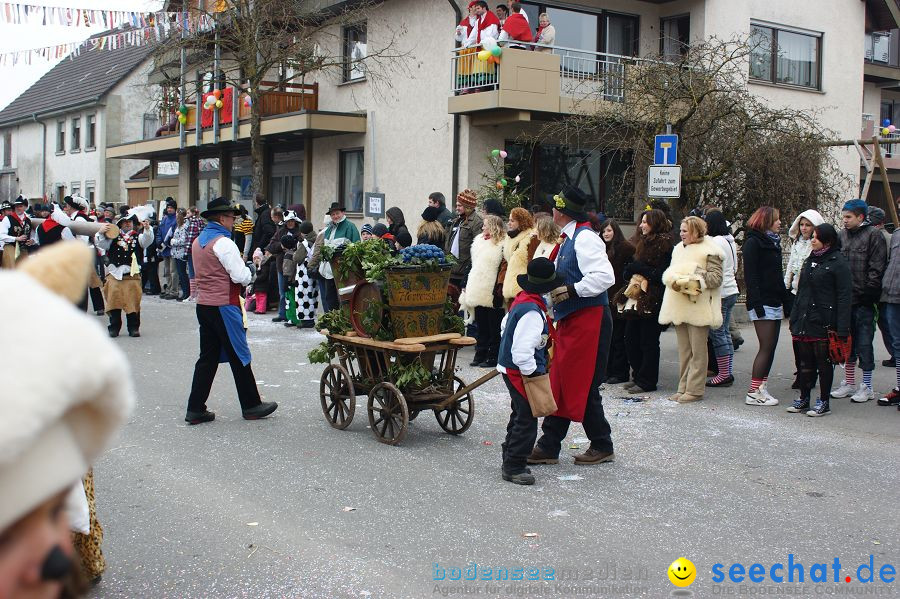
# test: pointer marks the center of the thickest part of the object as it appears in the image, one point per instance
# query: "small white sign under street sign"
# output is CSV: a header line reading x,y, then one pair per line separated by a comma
x,y
664,181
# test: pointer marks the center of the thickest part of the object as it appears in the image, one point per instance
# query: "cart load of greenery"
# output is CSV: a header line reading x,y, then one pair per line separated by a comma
x,y
368,258
424,255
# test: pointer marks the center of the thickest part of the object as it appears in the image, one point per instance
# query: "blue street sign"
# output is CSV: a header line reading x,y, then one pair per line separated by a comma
x,y
666,150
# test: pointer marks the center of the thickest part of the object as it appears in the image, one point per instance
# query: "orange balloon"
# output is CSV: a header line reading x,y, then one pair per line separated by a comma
x,y
217,94
499,185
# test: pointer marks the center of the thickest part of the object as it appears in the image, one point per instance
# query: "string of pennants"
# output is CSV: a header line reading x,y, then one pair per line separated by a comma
x,y
144,28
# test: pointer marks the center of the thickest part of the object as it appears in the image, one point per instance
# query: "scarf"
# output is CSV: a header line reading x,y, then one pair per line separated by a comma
x,y
820,253
775,237
483,22
211,231
526,297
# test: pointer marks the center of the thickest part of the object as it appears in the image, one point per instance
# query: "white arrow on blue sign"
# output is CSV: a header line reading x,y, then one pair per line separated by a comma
x,y
665,150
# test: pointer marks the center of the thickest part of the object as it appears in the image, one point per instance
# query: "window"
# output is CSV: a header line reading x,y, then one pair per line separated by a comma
x,y
76,188
60,137
354,52
151,124
785,57
675,36
91,141
7,149
90,192
350,192
76,134
599,31
167,168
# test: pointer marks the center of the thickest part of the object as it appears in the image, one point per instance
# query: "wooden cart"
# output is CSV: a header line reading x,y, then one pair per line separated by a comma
x,y
364,368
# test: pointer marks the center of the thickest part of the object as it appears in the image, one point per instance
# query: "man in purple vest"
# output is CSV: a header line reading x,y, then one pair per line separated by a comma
x,y
220,275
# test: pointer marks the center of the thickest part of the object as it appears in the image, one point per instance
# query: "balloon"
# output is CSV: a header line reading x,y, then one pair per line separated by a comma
x,y
518,178
183,109
483,55
503,182
503,154
886,122
496,51
499,185
891,128
217,93
247,101
885,132
219,104
488,42
495,153
494,59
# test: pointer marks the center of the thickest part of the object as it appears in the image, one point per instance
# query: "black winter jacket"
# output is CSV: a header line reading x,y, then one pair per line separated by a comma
x,y
264,230
763,272
823,297
865,250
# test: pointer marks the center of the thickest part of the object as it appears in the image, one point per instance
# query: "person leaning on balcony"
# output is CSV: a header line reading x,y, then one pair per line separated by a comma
x,y
502,13
460,234
546,34
516,27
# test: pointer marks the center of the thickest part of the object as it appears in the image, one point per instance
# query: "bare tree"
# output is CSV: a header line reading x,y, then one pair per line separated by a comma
x,y
736,150
289,41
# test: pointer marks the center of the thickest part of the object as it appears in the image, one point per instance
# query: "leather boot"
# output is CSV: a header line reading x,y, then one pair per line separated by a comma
x,y
115,322
133,322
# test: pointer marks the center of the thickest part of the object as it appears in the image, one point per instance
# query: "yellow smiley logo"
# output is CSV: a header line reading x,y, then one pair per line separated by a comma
x,y
682,572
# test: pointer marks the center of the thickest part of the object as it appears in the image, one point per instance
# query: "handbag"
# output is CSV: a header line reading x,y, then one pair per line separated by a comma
x,y
839,347
539,395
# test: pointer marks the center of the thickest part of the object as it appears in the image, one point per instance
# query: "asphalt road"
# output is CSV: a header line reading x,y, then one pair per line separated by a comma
x,y
290,507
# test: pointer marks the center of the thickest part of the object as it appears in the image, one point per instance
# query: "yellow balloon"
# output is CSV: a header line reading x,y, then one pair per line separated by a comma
x,y
483,55
885,132
219,104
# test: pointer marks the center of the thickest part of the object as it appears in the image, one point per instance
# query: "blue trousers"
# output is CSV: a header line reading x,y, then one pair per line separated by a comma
x,y
862,327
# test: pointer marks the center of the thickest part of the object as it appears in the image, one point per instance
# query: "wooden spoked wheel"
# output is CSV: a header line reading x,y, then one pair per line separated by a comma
x,y
338,396
457,417
388,414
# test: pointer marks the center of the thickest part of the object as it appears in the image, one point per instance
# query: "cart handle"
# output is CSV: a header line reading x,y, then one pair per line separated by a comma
x,y
443,405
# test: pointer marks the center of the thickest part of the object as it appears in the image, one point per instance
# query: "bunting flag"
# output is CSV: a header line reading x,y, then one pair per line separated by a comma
x,y
142,30
14,13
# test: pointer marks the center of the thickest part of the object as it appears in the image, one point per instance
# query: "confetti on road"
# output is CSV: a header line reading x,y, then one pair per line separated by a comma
x,y
570,477
349,509
252,523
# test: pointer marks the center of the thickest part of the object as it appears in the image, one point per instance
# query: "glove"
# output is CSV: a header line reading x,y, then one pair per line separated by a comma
x,y
561,294
760,311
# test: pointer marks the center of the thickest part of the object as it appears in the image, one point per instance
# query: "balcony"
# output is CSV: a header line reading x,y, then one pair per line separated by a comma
x,y
289,112
890,151
882,62
555,81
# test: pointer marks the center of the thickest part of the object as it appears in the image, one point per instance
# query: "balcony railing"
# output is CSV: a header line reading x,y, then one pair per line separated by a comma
x,y
272,102
582,74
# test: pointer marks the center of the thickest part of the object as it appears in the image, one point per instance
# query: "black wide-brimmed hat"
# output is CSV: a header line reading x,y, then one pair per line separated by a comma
x,y
541,277
6,205
571,202
336,206
220,205
20,201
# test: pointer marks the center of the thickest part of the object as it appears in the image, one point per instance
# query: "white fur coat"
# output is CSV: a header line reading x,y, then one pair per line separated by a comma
x,y
515,252
486,258
701,262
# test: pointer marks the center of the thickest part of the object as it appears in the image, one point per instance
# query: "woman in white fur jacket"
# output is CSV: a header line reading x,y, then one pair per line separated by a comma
x,y
693,303
518,249
482,295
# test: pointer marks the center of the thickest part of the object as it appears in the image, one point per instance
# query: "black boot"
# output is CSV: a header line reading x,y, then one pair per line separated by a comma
x,y
97,300
115,322
133,322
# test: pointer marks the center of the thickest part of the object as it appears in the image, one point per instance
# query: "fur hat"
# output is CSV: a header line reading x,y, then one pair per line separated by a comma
x,y
431,214
467,198
291,215
54,426
494,207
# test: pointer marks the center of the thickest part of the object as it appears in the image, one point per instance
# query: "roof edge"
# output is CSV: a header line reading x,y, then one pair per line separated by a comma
x,y
49,113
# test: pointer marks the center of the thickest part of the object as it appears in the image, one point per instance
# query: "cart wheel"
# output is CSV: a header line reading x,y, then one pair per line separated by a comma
x,y
412,415
338,396
388,414
458,416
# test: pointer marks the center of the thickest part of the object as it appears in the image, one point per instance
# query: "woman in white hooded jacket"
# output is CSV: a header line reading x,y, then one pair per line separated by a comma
x,y
801,233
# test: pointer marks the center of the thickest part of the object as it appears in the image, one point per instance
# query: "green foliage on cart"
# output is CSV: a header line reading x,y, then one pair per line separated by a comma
x,y
336,322
321,354
410,376
452,322
376,321
368,257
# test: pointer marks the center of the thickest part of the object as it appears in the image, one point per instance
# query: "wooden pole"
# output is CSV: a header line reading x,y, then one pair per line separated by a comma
x,y
886,184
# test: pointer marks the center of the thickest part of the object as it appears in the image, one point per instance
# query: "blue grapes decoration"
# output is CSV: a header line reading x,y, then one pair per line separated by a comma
x,y
423,254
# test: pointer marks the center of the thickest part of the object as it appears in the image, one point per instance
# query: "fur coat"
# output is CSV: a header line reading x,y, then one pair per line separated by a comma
x,y
652,255
517,251
486,258
693,285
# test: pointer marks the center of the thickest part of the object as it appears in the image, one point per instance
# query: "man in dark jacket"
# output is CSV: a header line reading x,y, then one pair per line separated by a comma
x,y
163,237
436,200
460,234
265,227
866,252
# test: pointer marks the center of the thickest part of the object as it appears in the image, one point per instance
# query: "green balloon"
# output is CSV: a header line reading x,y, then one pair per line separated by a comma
x,y
496,50
495,153
503,182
